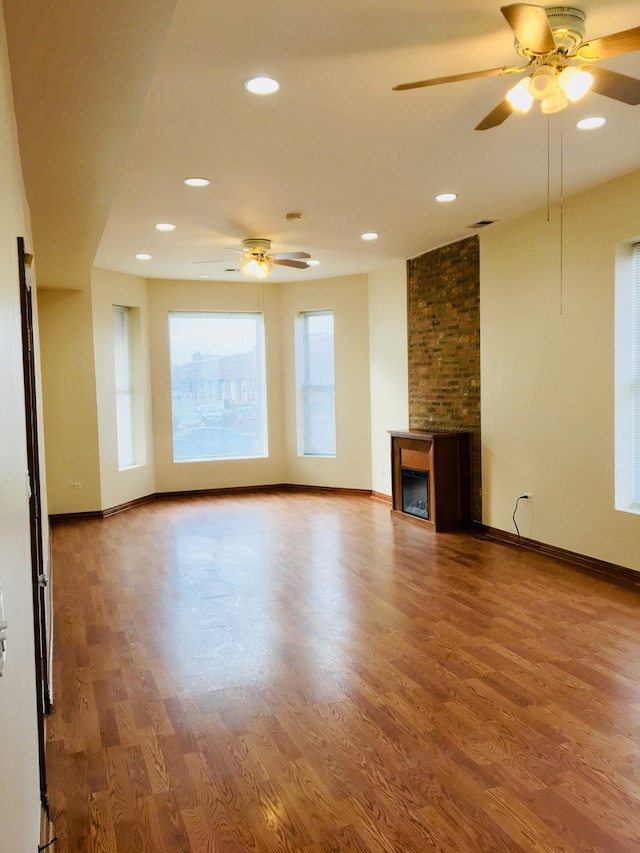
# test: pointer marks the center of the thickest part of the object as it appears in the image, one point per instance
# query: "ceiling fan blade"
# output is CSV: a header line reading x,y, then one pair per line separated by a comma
x,y
237,251
614,85
531,27
213,261
496,116
453,78
613,45
284,262
291,255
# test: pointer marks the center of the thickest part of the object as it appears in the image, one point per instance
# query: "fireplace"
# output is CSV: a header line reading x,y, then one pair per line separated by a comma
x,y
415,492
431,478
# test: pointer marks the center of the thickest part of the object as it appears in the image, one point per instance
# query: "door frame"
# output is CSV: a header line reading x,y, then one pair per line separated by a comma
x,y
39,579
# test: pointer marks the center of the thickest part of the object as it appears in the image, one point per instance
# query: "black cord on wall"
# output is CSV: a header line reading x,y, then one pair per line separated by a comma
x,y
515,510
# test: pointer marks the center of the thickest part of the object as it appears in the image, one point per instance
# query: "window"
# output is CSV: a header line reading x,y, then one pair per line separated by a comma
x,y
217,385
122,350
316,397
636,375
627,389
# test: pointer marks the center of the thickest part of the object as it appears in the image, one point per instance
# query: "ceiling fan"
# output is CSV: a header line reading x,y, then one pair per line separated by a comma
x,y
257,259
551,39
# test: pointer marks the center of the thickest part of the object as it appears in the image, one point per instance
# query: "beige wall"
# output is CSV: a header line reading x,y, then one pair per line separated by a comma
x,y
69,396
80,384
348,298
109,289
281,304
547,351
19,787
388,359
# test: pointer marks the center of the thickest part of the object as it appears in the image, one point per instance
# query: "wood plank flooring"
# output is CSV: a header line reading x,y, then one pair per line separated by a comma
x,y
301,672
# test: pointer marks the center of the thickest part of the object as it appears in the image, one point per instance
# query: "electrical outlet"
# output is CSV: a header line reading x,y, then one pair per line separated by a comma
x,y
3,634
527,496
75,485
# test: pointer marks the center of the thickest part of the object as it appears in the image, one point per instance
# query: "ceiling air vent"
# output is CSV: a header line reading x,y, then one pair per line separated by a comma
x,y
482,223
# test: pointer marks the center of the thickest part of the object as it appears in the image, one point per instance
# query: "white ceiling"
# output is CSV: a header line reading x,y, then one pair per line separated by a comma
x,y
136,97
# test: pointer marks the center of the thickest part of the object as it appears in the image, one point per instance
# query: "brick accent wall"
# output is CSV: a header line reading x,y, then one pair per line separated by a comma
x,y
444,345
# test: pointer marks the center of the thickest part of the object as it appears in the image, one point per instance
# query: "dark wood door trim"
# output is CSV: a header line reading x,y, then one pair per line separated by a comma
x,y
38,577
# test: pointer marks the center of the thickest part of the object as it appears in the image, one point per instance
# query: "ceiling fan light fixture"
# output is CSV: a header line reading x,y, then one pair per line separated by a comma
x,y
258,266
543,83
575,82
520,97
554,104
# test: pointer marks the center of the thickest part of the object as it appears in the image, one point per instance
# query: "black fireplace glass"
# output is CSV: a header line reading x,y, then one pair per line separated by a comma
x,y
415,492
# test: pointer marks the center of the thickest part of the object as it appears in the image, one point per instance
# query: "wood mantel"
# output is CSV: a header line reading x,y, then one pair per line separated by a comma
x,y
445,457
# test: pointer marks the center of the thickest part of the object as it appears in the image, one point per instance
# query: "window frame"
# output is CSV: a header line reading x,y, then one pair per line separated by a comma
x,y
125,386
627,378
635,497
308,444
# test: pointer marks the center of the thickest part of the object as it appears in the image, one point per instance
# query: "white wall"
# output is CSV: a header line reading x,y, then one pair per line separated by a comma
x,y
19,786
109,289
348,298
547,365
388,358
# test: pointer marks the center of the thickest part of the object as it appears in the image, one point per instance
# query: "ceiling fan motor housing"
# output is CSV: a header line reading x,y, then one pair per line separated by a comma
x,y
567,25
256,246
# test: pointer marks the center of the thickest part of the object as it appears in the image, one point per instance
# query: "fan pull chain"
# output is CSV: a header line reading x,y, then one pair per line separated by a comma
x,y
561,211
548,167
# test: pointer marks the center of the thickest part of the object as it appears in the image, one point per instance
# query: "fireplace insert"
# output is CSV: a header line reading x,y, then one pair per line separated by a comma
x,y
415,492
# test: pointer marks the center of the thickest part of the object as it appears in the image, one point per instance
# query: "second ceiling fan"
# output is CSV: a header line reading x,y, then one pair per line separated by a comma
x,y
259,262
551,39
257,259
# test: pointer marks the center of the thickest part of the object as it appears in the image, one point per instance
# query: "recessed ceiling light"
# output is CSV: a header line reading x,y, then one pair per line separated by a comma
x,y
204,276
590,123
142,256
312,262
197,182
165,226
446,196
370,235
261,85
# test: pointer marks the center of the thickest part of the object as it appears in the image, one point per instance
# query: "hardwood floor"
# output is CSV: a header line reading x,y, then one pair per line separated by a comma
x,y
300,672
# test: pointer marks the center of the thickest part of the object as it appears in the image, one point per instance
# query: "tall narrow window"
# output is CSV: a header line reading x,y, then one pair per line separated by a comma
x,y
317,422
124,386
627,379
217,385
636,375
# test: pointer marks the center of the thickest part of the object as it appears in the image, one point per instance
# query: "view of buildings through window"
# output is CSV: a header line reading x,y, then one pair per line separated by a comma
x,y
217,385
